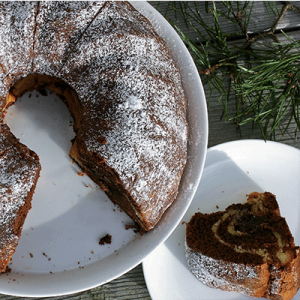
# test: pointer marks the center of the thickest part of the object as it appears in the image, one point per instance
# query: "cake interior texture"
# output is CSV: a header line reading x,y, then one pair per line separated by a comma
x,y
118,79
246,248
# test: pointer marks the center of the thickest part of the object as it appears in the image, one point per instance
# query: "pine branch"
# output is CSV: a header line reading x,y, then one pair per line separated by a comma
x,y
262,74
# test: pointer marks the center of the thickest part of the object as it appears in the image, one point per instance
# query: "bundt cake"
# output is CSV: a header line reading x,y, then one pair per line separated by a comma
x,y
122,87
247,248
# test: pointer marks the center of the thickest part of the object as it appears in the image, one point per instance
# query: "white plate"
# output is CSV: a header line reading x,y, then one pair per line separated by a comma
x,y
231,171
58,252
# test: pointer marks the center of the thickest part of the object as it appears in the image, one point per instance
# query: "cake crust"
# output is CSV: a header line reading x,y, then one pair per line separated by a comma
x,y
247,248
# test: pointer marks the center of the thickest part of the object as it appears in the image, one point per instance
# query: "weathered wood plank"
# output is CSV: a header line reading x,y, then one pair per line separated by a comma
x,y
262,17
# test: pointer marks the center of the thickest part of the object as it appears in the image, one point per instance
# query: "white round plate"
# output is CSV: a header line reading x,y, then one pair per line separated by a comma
x,y
231,171
59,251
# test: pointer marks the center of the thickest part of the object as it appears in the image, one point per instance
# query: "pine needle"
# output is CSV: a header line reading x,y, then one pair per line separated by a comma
x,y
262,74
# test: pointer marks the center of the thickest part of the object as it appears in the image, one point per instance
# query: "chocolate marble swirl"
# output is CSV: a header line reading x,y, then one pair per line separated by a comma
x,y
254,228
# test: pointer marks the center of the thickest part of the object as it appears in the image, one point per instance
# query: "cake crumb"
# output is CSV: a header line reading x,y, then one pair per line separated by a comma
x,y
80,174
132,226
105,240
31,255
49,258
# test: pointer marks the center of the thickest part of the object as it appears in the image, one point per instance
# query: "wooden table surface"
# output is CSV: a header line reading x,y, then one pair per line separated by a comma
x,y
132,284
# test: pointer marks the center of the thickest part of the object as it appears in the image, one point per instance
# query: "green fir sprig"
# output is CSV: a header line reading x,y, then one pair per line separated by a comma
x,y
262,74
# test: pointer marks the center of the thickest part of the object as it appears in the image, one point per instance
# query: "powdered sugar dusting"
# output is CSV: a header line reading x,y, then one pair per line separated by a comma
x,y
215,273
17,21
132,103
147,135
59,26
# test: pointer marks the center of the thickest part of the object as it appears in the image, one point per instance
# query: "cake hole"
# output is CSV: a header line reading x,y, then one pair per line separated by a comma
x,y
66,215
41,123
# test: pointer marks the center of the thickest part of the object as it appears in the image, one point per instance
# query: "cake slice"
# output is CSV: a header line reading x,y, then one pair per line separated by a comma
x,y
132,131
19,172
247,248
